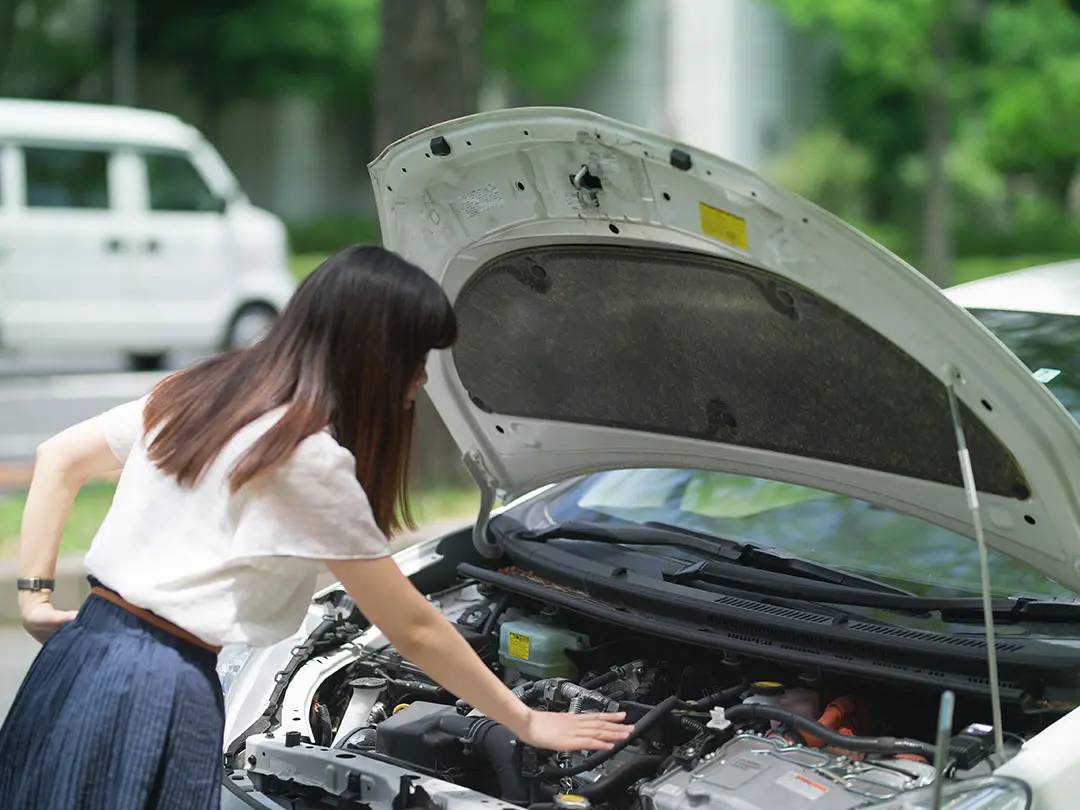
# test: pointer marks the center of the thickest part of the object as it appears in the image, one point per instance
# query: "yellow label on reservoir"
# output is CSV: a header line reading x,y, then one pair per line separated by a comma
x,y
519,646
723,226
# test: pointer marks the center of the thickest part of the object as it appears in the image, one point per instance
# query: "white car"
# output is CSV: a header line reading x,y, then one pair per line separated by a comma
x,y
124,230
748,456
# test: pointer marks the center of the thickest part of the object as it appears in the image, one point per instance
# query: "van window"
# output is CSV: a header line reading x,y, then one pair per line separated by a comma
x,y
66,178
176,185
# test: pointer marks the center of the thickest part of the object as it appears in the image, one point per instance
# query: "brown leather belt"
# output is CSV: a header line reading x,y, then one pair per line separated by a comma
x,y
153,618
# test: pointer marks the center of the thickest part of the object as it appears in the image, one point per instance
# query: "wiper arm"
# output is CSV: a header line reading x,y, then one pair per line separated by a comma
x,y
773,559
771,583
749,555
634,535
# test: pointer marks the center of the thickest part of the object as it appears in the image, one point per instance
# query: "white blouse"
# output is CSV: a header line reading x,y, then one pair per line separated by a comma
x,y
230,568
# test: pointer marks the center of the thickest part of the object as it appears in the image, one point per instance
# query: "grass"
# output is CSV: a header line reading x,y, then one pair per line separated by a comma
x,y
303,263
428,506
86,515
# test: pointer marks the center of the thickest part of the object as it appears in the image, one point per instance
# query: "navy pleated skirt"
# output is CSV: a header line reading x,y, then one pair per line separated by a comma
x,y
114,714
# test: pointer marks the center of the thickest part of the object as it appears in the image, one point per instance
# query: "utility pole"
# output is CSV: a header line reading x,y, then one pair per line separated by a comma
x,y
124,55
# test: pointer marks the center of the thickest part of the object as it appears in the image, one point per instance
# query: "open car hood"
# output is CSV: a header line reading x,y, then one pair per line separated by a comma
x,y
628,301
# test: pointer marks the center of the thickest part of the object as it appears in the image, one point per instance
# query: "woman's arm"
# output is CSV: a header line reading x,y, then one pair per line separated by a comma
x,y
64,463
424,636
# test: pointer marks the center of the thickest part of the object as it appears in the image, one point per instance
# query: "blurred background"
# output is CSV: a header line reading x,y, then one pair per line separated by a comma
x,y
946,129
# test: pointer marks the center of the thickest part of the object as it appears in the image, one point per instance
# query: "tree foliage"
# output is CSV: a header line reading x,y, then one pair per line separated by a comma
x,y
548,47
1005,77
48,49
233,49
228,50
1032,86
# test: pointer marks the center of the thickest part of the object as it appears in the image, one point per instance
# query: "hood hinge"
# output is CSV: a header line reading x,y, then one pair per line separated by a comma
x,y
489,492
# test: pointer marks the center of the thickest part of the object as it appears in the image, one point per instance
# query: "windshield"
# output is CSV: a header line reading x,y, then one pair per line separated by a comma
x,y
834,530
1046,344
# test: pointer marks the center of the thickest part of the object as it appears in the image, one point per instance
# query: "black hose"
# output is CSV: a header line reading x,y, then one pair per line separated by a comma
x,y
720,698
633,769
500,749
654,716
496,611
602,679
747,712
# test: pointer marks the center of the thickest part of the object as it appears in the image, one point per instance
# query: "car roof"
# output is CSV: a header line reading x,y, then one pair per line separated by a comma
x,y
72,122
1052,288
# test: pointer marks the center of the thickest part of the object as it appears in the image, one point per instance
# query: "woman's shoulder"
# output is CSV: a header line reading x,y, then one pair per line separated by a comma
x,y
320,468
321,451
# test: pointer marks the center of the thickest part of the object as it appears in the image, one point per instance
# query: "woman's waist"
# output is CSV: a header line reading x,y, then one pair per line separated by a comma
x,y
103,593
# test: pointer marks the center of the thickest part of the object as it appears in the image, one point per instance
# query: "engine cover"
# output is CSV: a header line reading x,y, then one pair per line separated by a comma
x,y
758,773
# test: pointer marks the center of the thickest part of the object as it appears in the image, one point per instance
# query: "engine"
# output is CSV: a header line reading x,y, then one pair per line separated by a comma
x,y
709,730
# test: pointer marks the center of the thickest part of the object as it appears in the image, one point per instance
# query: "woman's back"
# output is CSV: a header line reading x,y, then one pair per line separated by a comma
x,y
230,567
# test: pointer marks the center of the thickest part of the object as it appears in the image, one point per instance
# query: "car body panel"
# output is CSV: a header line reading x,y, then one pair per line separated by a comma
x,y
505,186
1051,288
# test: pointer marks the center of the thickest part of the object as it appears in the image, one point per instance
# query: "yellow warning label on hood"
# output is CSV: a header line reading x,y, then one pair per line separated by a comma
x,y
722,226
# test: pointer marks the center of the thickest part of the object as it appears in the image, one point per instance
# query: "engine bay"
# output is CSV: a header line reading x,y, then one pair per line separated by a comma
x,y
710,728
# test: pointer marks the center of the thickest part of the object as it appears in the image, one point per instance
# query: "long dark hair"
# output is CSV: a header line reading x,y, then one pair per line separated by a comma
x,y
343,354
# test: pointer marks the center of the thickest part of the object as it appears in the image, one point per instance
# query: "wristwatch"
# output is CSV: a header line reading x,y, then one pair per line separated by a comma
x,y
36,584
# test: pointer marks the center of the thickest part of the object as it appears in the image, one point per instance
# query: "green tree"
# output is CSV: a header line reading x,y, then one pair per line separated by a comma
x,y
48,48
228,50
1032,88
911,49
546,48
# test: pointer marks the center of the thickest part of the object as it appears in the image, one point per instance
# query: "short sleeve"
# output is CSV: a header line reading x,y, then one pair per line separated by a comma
x,y
123,427
310,507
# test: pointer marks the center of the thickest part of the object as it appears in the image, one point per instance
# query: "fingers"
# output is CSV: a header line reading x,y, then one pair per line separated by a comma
x,y
590,744
610,734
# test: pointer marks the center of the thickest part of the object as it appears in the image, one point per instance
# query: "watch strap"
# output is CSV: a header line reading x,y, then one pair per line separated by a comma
x,y
36,584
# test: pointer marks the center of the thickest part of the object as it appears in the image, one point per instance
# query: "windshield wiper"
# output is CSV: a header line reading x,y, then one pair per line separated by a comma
x,y
723,549
771,583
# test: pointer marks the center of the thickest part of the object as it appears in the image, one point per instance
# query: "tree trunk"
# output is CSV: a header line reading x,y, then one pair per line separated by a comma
x,y
430,64
937,235
429,69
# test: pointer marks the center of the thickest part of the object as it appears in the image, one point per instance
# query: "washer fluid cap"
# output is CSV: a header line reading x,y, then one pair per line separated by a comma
x,y
571,801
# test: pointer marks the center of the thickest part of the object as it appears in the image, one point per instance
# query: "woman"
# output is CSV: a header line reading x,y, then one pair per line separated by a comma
x,y
241,478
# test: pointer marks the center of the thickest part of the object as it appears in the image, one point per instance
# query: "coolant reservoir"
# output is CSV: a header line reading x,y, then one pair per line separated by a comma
x,y
799,700
538,650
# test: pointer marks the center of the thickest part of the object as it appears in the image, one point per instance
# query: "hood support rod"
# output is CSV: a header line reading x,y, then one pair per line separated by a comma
x,y
972,493
474,463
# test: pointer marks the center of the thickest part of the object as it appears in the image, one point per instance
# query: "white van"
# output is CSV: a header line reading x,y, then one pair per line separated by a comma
x,y
124,230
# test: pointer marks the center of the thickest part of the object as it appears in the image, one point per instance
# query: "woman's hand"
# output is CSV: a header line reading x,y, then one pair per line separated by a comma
x,y
39,617
560,731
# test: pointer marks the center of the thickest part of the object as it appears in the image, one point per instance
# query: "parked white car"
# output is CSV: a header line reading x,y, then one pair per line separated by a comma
x,y
764,483
123,230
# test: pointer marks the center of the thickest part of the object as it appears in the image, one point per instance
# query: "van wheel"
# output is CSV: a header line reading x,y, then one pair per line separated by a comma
x,y
249,325
146,362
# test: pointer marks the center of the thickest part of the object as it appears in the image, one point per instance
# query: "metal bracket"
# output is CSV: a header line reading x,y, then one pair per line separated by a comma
x,y
474,463
588,186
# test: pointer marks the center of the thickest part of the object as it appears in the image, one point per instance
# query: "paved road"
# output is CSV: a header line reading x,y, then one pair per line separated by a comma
x,y
44,364
17,651
43,394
